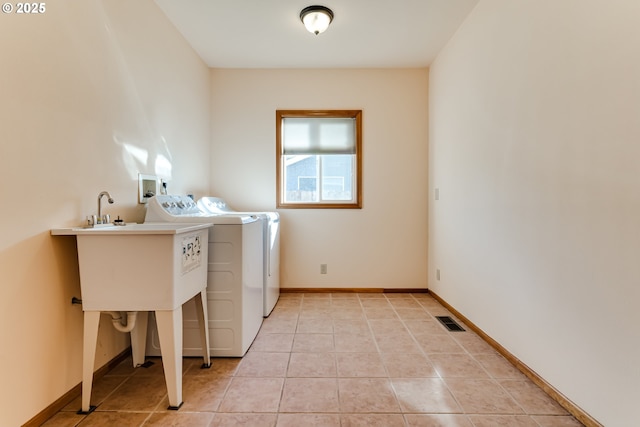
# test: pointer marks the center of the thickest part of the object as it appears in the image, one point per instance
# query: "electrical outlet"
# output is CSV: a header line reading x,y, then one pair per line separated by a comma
x,y
438,274
323,268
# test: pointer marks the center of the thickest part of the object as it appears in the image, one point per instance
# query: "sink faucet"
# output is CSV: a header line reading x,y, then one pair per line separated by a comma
x,y
109,199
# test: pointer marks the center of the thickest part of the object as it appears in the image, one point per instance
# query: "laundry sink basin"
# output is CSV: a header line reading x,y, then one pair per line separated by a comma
x,y
131,228
140,267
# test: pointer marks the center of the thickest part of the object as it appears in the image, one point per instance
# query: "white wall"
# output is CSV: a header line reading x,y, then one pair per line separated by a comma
x,y
534,148
91,94
383,245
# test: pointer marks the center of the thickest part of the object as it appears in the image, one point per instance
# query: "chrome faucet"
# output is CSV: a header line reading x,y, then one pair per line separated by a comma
x,y
109,199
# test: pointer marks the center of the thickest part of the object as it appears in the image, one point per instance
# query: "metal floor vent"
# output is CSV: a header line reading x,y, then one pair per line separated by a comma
x,y
450,324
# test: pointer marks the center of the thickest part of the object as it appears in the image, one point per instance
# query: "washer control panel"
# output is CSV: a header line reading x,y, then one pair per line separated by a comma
x,y
168,207
178,205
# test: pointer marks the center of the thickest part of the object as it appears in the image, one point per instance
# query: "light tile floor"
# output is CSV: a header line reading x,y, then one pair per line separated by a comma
x,y
336,359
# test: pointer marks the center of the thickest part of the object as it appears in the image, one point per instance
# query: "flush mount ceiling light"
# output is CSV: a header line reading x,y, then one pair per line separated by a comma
x,y
316,18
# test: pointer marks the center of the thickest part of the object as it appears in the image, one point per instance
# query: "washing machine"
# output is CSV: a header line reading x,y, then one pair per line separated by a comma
x,y
234,278
271,276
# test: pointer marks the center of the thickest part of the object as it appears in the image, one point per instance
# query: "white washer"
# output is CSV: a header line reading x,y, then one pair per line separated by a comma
x,y
216,205
234,278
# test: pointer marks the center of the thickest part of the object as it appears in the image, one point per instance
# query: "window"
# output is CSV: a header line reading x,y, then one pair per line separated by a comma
x,y
319,158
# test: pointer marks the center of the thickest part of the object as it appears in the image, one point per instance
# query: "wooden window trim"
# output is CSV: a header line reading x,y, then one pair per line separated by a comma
x,y
357,115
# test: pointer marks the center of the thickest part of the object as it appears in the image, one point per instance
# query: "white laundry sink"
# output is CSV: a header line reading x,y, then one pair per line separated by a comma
x,y
130,228
141,268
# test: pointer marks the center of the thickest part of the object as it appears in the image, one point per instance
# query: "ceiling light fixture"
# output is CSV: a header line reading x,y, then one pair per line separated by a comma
x,y
316,18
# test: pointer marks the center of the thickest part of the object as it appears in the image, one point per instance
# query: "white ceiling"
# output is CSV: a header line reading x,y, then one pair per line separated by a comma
x,y
363,34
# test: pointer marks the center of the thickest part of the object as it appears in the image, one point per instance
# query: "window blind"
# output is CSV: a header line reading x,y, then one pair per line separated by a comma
x,y
313,135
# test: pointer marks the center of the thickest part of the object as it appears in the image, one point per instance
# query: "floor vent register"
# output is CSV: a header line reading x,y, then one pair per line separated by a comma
x,y
450,324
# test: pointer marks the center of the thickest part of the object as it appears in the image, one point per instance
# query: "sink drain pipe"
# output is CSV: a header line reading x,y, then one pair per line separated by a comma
x,y
116,320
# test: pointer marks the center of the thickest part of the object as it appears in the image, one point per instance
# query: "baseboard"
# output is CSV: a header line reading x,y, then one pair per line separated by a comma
x,y
76,391
567,404
355,290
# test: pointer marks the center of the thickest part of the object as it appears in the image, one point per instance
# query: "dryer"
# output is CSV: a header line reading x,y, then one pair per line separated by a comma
x,y
271,235
234,278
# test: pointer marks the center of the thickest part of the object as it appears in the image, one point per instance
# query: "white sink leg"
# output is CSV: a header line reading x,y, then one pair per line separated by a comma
x,y
170,333
139,338
203,323
90,339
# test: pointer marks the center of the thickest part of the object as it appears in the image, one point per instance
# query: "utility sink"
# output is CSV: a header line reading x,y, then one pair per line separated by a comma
x,y
131,228
141,268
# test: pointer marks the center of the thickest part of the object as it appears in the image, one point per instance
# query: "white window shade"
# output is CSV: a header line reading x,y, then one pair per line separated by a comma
x,y
313,135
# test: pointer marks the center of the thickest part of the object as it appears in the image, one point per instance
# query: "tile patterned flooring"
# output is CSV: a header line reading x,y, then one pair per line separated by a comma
x,y
340,359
